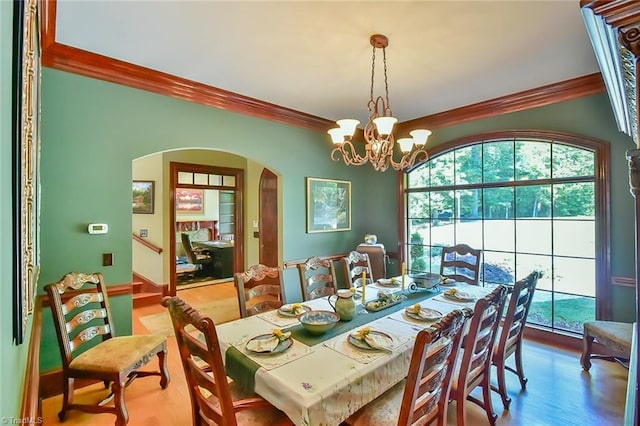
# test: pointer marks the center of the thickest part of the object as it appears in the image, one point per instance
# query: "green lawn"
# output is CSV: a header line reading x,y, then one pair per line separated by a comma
x,y
570,311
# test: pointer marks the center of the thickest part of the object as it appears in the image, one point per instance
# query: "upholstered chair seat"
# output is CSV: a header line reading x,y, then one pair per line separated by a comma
x,y
614,336
118,353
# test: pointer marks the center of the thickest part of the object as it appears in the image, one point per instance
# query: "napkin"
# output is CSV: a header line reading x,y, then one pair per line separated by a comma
x,y
374,339
263,345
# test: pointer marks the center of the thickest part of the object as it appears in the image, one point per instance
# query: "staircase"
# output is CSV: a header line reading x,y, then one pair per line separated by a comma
x,y
145,292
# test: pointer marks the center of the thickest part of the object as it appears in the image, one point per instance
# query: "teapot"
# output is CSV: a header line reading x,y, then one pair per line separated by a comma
x,y
344,304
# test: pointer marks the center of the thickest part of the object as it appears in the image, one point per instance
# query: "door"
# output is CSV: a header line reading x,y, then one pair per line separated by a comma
x,y
268,223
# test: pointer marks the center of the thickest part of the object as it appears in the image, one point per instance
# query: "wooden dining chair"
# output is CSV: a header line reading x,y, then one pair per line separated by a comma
x,y
510,334
214,398
475,364
354,265
423,396
461,263
90,348
317,278
260,288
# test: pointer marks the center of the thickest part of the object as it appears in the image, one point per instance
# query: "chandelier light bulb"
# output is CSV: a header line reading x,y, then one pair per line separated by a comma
x,y
337,135
420,136
406,144
348,125
384,125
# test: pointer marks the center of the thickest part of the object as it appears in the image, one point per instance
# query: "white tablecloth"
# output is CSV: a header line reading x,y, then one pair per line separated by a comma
x,y
325,385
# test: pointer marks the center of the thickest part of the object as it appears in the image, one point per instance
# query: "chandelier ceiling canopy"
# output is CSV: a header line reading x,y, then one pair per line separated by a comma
x,y
378,134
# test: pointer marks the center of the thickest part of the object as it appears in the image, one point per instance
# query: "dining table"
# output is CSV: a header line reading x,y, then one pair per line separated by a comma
x,y
321,380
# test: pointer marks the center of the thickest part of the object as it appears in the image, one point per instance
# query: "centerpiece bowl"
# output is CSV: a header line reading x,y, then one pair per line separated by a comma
x,y
319,322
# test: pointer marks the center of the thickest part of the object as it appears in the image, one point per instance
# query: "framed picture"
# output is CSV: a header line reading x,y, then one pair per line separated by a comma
x,y
25,143
143,191
328,205
189,200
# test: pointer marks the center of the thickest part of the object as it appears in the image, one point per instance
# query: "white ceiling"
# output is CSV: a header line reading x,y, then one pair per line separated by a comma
x,y
315,56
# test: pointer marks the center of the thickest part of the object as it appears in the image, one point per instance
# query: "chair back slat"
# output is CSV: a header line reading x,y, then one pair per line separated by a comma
x,y
83,316
317,278
87,335
480,339
202,364
461,263
354,265
257,283
428,384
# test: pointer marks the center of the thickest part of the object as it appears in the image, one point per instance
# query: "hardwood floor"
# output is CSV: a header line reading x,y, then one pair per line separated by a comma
x,y
559,392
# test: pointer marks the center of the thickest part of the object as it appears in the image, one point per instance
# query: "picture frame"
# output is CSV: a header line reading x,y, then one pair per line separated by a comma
x,y
328,205
25,145
189,200
143,196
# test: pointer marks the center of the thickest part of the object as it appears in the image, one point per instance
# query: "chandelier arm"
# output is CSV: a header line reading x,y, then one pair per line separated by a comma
x,y
349,154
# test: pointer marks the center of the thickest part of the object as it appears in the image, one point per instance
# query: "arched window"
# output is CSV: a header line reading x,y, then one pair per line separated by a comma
x,y
530,200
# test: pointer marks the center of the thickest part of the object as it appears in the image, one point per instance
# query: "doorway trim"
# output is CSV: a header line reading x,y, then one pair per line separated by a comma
x,y
238,246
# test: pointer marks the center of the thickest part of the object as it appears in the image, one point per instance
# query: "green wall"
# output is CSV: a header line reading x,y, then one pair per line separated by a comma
x,y
591,117
12,358
92,130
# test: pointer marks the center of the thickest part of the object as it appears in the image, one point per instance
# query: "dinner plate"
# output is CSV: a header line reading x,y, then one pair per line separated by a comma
x,y
459,296
361,344
282,346
305,309
430,315
388,282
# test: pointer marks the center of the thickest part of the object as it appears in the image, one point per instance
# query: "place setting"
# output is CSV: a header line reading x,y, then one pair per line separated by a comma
x,y
274,349
418,314
367,343
286,315
455,295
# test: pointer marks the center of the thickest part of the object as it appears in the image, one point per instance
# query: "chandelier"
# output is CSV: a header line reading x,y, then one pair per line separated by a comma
x,y
378,133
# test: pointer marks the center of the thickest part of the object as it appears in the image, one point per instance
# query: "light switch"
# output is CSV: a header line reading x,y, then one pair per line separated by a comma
x,y
255,223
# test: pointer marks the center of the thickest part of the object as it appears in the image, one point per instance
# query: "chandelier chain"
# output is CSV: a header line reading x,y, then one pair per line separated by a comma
x,y
373,70
386,83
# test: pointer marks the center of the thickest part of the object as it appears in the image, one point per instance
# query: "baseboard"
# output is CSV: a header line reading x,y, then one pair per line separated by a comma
x,y
51,383
148,286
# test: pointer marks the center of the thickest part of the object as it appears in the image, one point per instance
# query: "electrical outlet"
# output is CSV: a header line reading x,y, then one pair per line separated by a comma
x,y
144,232
107,259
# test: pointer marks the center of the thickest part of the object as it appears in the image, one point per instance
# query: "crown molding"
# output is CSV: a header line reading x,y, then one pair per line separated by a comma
x,y
70,59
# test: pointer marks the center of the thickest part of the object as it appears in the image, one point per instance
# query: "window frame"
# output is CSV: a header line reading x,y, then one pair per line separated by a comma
x,y
602,197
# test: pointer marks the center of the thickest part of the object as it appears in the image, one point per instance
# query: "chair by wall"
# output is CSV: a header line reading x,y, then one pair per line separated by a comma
x,y
614,338
475,364
423,396
354,265
260,288
90,348
510,334
213,397
317,278
377,258
461,263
